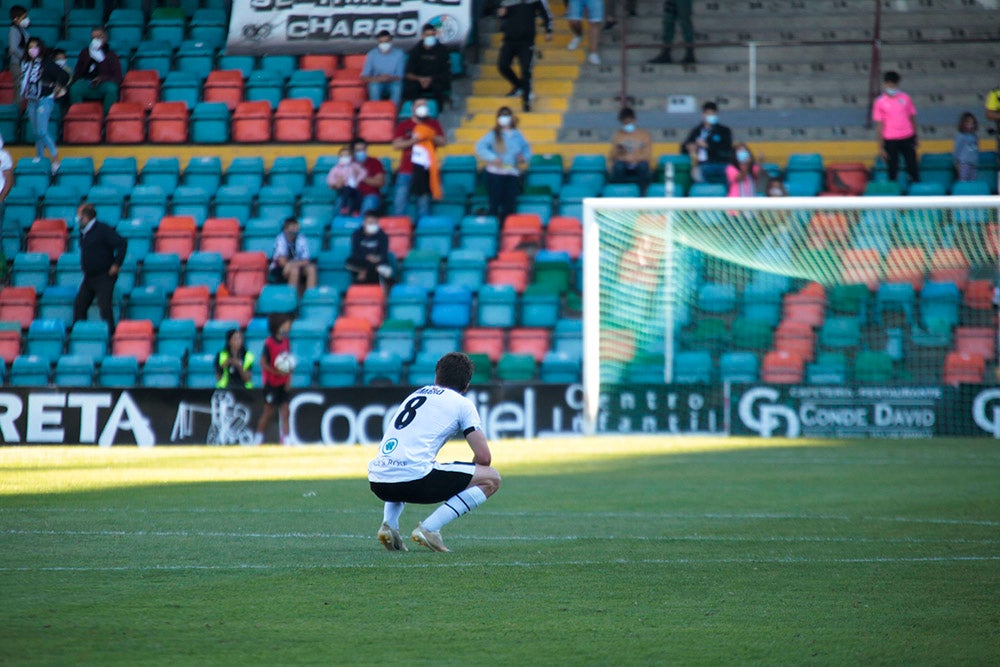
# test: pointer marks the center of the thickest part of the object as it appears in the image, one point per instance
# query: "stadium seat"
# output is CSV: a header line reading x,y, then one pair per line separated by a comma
x,y
191,303
277,299
940,301
497,306
351,335
82,123
895,297
234,308
168,123
213,335
805,306
126,123
480,233
200,371
516,368
738,367
17,304
34,175
981,341
308,85
397,337
559,368
225,86
61,201
88,338
376,121
247,273
346,86
154,55
437,342
74,370
337,370
434,233
796,337
906,265
840,332
382,368
147,303
963,368
140,87
873,367
264,86
195,57
133,338
31,269
293,121
489,341
29,371
245,172
829,368
716,298
289,172
45,339
235,201
565,234
175,234
109,202
535,341
177,338
118,371
309,339
252,122
335,122
509,268
862,266
782,367
846,178
162,271
167,24
220,235
208,25
466,267
161,370
949,265
408,302
520,230
10,341
365,302
56,302
451,306
421,268
210,123
539,306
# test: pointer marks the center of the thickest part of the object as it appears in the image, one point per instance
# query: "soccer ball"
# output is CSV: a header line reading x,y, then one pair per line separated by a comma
x,y
285,362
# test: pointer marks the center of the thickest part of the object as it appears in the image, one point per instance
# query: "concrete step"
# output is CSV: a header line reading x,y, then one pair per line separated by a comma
x,y
543,87
470,135
490,103
525,120
545,54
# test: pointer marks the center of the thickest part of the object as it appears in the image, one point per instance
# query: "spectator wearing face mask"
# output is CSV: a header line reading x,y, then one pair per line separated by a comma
x,y
40,78
418,137
369,258
742,172
895,119
776,187
383,70
98,73
345,177
710,146
428,69
506,153
17,44
631,150
290,262
373,182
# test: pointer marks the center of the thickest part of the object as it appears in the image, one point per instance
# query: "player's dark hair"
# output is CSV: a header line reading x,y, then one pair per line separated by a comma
x,y
454,370
966,116
709,106
891,77
626,114
242,352
16,12
289,222
88,212
383,33
274,322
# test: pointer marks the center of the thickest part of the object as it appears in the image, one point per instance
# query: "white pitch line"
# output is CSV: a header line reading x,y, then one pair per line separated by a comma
x,y
504,538
725,516
518,564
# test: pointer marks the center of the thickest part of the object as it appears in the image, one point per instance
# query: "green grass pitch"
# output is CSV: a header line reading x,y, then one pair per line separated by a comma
x,y
607,551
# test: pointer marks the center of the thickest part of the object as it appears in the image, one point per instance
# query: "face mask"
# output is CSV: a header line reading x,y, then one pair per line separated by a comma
x,y
384,47
711,119
360,156
80,222
891,91
96,43
430,41
629,127
61,62
34,51
743,155
775,192
371,229
503,121
420,112
25,22
344,159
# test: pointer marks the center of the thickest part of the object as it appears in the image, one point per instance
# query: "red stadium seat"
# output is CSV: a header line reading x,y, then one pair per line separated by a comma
x,y
365,302
828,228
781,367
17,304
141,86
950,265
979,294
126,123
353,61
351,335
510,267
175,234
977,340
224,86
6,87
232,307
293,121
484,340
906,265
335,122
221,235
47,235
862,267
133,338
168,123
252,123
849,178
399,229
808,305
190,303
376,121
325,63
963,368
82,123
346,86
10,344
565,234
533,341
520,229
247,273
797,338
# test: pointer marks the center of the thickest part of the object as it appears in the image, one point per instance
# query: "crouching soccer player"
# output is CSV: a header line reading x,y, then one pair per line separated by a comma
x,y
405,470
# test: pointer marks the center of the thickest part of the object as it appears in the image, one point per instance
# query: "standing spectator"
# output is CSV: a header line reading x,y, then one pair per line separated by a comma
x,y
428,69
234,363
369,258
6,182
676,11
17,44
290,261
383,70
966,152
417,137
595,18
102,252
39,81
742,173
631,150
519,24
345,177
373,182
895,119
506,153
275,383
710,146
993,110
98,73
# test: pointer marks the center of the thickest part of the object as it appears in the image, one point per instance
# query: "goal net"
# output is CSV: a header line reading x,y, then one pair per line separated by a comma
x,y
849,290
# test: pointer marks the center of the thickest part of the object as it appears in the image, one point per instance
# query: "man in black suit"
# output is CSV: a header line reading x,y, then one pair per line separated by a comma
x,y
102,252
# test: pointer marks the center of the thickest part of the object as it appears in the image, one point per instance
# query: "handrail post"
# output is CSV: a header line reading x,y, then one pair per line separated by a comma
x,y
876,61
752,56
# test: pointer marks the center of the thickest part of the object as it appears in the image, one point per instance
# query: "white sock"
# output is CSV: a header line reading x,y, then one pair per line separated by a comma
x,y
391,513
454,507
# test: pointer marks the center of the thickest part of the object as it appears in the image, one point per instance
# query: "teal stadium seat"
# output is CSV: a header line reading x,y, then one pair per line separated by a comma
x,y
205,268
109,203
397,337
182,87
89,339
408,302
29,371
539,306
480,233
77,173
829,368
45,339
138,232
451,306
382,368
320,304
290,172
161,270
209,26
210,123
147,203
236,201
176,338
559,367
201,371
337,370
278,203
118,372
74,370
277,299
30,269
247,171
466,267
739,367
437,342
213,336
161,371
195,57
497,306
56,302
167,24
421,268
162,171
693,367
434,233
191,200
147,303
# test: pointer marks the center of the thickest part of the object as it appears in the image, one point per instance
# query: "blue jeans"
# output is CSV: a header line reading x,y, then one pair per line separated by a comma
x,y
402,198
39,112
371,203
623,172
392,90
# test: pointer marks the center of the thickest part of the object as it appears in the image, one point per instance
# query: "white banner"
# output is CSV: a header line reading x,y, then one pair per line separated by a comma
x,y
297,27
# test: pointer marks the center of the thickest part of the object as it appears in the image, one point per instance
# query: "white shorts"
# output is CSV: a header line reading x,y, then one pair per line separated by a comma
x,y
595,10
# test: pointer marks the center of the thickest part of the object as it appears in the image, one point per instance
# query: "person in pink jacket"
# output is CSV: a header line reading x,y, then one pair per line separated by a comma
x,y
895,119
742,172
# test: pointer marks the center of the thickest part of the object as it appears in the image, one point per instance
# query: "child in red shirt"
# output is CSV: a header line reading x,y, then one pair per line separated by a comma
x,y
275,382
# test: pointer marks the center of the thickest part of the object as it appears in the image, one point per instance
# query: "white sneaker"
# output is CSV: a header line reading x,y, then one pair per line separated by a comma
x,y
429,538
390,539
574,44
594,59
258,438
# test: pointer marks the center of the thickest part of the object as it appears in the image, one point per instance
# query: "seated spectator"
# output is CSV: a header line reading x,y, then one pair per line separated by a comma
x,y
742,173
428,69
373,182
234,363
776,187
369,259
383,70
346,177
290,261
710,146
98,73
631,149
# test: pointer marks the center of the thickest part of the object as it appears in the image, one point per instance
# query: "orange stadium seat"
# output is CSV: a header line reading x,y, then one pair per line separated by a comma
x,y
82,123
510,267
564,234
862,267
252,122
399,229
126,123
376,121
353,61
795,337
10,344
47,235
950,265
351,335
963,368
828,229
533,341
234,307
365,302
979,294
293,121
325,63
906,265
190,303
848,178
520,229
168,123
17,304
781,367
247,273
805,306
221,235
224,86
346,86
484,340
335,122
133,338
175,234
977,340
141,86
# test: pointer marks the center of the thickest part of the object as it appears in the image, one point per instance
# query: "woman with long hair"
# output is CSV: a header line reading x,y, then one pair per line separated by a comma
x,y
40,78
506,153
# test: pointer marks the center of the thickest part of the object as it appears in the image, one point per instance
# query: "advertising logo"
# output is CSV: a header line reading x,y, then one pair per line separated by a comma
x,y
760,412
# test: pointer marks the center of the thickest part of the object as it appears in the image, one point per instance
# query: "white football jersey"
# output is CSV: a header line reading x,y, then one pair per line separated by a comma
x,y
425,421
